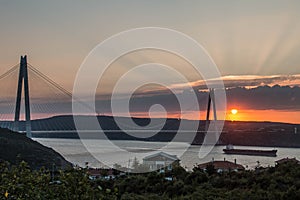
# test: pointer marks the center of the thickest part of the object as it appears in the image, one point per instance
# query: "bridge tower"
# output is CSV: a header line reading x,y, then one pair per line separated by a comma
x,y
23,77
211,100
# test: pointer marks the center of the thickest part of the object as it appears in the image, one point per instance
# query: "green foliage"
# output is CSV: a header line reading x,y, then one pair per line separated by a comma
x,y
210,169
280,182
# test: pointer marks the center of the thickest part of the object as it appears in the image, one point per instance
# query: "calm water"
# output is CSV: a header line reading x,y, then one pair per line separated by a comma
x,y
74,151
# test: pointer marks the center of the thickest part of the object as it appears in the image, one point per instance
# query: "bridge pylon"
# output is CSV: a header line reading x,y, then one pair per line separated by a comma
x,y
23,77
211,100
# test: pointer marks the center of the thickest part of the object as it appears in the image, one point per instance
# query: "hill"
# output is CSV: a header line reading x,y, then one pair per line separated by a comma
x,y
15,147
273,134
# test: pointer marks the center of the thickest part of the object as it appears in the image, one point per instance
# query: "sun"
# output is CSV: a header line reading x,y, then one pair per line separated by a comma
x,y
234,111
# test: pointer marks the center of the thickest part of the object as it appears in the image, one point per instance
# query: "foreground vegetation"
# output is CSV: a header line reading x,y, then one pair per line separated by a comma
x,y
280,182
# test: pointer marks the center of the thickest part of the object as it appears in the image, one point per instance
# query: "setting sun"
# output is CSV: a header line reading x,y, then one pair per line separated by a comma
x,y
234,111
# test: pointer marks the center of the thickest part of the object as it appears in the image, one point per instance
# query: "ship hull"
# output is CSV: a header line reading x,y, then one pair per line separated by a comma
x,y
270,153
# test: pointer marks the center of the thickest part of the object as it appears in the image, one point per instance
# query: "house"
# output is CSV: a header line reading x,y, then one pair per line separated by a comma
x,y
101,173
94,173
286,160
160,160
222,166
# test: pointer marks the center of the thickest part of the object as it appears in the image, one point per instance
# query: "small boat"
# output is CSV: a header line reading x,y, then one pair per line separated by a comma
x,y
252,152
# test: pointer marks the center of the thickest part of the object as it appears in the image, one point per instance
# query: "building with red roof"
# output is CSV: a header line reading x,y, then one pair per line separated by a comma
x,y
222,166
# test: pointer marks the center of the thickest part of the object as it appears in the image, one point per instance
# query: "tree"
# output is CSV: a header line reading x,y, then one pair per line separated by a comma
x,y
210,169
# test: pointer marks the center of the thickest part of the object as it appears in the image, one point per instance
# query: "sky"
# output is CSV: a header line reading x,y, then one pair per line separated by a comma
x,y
253,43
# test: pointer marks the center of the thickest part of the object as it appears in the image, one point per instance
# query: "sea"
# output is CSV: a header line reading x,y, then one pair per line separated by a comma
x,y
102,153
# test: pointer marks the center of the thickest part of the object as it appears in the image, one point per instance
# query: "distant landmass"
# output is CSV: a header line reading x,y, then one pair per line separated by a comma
x,y
273,134
270,134
16,147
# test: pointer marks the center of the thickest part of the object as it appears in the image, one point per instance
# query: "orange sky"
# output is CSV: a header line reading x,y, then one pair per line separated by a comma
x,y
266,115
243,115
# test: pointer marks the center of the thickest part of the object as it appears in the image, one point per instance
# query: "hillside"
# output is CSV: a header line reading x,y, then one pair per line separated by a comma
x,y
274,134
15,147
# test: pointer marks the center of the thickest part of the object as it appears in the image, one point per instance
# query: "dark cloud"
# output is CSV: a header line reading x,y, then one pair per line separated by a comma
x,y
259,98
280,92
265,97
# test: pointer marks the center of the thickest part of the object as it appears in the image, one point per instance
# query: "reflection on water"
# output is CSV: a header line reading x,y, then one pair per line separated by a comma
x,y
74,151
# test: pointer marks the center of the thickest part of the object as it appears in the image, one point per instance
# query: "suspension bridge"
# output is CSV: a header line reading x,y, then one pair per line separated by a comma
x,y
32,103
29,97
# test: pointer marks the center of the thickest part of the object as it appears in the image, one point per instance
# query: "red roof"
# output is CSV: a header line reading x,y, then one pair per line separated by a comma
x,y
99,172
224,165
94,172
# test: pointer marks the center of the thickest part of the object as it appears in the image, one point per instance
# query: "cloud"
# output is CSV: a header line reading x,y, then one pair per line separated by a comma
x,y
265,97
277,92
258,98
247,81
255,81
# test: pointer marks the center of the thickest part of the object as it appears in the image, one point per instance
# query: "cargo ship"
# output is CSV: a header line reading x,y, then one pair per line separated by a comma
x,y
252,152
